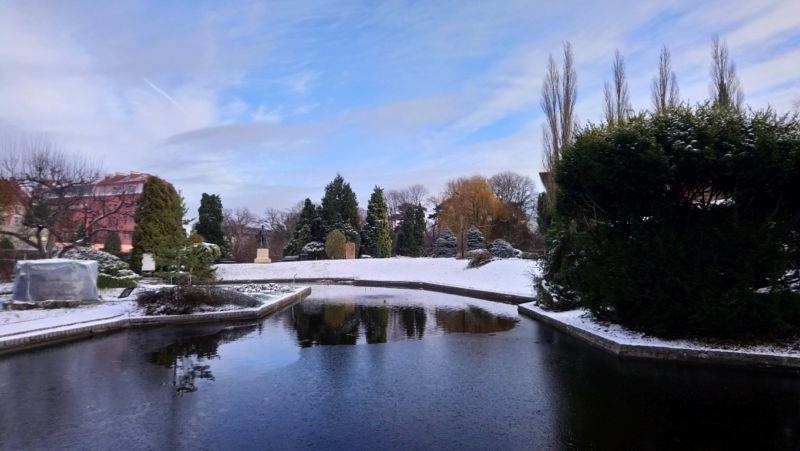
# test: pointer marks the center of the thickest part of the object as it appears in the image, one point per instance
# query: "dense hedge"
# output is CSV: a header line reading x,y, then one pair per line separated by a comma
x,y
682,223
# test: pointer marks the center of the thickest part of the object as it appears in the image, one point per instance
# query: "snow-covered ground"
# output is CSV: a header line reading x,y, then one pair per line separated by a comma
x,y
511,276
582,319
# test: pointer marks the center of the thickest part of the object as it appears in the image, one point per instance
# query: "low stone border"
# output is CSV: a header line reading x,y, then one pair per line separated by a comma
x,y
59,334
669,354
505,298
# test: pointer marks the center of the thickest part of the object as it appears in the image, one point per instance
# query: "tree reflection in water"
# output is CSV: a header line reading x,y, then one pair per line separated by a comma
x,y
188,357
328,323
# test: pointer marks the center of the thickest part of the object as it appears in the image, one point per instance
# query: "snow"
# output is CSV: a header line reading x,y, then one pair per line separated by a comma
x,y
582,319
509,276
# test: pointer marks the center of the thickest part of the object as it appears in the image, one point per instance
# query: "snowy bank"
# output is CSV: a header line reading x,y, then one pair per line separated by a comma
x,y
629,344
508,276
26,329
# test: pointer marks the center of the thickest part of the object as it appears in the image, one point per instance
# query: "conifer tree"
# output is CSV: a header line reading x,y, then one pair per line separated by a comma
x,y
209,221
411,231
339,210
159,224
376,238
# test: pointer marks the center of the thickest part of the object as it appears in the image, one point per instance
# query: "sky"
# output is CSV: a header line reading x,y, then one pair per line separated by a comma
x,y
264,103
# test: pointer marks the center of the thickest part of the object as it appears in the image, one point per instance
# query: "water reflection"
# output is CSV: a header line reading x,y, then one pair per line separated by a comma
x,y
326,323
188,357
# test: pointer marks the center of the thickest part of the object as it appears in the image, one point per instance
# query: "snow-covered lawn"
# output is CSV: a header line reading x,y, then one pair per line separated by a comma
x,y
511,276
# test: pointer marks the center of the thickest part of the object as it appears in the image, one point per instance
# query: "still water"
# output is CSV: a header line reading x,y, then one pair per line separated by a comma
x,y
366,368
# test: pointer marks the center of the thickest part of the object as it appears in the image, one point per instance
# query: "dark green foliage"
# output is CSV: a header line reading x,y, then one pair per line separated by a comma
x,y
376,238
159,225
182,300
112,243
6,244
685,222
339,206
411,231
309,228
209,221
109,281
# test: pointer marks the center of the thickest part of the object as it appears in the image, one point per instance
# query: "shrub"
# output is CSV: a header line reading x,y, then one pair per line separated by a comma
x,y
312,251
684,222
112,243
445,245
475,239
336,245
479,257
182,300
502,249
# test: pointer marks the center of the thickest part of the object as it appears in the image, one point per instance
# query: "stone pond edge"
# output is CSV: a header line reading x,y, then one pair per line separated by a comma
x,y
27,340
506,298
700,357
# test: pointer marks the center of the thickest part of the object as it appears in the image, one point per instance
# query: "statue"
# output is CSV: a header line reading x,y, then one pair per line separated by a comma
x,y
262,253
262,238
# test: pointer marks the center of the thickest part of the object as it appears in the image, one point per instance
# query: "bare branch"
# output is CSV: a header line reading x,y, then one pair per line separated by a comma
x,y
726,90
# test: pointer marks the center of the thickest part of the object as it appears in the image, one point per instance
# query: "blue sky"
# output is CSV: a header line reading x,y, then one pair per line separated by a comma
x,y
264,102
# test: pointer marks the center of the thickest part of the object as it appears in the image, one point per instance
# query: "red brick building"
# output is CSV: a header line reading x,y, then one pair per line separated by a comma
x,y
109,207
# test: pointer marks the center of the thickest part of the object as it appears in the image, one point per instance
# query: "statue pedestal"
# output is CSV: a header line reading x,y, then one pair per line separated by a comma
x,y
262,256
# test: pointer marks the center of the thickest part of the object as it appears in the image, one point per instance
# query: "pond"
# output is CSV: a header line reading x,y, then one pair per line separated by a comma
x,y
366,368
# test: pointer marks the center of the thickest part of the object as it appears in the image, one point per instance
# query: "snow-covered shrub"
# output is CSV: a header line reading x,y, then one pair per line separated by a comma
x,y
475,239
314,250
113,271
479,257
445,245
502,249
182,300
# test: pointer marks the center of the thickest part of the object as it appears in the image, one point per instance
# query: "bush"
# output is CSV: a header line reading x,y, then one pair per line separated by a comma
x,y
502,249
313,251
445,245
336,245
183,300
479,257
682,223
125,279
112,243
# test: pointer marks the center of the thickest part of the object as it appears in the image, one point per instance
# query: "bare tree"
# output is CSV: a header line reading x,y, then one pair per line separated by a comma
x,y
414,194
280,225
664,91
515,189
617,102
726,90
558,104
240,227
56,191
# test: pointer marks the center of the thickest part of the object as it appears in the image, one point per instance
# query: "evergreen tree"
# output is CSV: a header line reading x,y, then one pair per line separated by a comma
x,y
309,228
445,246
159,224
339,210
339,205
376,237
411,231
475,239
112,243
209,222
